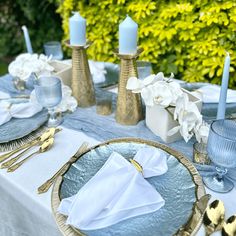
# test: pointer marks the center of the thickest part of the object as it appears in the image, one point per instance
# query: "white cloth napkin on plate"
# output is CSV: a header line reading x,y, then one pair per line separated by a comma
x,y
4,95
117,192
211,94
21,110
98,71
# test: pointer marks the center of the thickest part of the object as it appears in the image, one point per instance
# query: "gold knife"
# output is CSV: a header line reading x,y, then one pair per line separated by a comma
x,y
44,187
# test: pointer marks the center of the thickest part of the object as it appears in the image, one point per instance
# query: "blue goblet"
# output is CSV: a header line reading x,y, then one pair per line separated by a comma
x,y
221,149
49,94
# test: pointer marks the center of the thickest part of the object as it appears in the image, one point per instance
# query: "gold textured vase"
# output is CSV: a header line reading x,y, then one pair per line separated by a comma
x,y
81,83
129,105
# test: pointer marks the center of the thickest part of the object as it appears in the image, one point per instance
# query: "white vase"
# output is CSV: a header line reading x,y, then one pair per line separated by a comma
x,y
160,120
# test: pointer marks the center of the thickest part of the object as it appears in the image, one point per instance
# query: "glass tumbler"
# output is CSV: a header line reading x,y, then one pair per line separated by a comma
x,y
53,49
144,69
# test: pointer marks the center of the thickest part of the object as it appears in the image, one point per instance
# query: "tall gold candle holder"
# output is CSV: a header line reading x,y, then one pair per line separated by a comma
x,y
129,105
81,83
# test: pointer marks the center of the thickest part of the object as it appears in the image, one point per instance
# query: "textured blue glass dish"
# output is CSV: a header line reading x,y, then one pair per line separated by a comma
x,y
18,128
221,149
176,187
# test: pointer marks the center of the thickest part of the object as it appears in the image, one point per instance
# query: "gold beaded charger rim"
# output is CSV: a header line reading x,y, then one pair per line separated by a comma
x,y
191,226
14,144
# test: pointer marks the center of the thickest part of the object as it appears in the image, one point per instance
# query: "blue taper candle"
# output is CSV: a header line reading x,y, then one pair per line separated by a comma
x,y
224,88
27,39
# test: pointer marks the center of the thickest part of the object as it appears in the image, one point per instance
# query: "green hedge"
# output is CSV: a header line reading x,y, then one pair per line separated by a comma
x,y
40,16
186,37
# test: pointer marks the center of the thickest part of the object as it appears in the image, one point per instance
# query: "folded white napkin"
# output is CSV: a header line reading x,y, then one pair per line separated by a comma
x,y
98,71
211,94
4,95
117,192
21,110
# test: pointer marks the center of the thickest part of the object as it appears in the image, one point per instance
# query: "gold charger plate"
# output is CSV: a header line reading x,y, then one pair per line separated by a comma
x,y
198,208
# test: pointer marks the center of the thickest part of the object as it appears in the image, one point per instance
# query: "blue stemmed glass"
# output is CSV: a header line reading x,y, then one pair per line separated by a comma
x,y
49,94
221,149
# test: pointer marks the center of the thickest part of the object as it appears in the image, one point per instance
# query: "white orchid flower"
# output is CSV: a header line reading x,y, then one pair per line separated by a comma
x,y
26,64
24,57
161,94
160,76
149,80
158,90
45,58
175,90
147,96
186,132
134,84
181,104
201,132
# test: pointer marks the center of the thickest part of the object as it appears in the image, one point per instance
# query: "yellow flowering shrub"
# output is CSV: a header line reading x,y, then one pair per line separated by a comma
x,y
186,37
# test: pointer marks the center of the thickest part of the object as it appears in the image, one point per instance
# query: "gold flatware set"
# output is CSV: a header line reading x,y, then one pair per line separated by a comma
x,y
43,148
45,141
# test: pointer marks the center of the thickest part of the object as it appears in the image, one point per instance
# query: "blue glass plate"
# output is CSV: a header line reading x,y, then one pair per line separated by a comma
x,y
177,187
19,128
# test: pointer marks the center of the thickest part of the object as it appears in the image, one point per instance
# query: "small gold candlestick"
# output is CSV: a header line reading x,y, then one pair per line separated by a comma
x,y
81,83
129,105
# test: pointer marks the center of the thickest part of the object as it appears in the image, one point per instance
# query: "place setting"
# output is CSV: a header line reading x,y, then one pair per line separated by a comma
x,y
131,150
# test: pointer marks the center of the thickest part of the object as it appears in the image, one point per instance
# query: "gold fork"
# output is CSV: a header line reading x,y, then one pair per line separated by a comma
x,y
45,186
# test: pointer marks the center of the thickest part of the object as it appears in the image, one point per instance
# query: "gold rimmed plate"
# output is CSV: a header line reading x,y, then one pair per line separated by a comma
x,y
19,131
181,187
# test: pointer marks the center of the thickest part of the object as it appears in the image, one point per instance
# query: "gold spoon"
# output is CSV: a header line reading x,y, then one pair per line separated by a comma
x,y
43,148
213,218
48,134
229,227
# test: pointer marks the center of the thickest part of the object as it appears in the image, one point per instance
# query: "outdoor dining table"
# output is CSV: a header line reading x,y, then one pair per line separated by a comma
x,y
25,212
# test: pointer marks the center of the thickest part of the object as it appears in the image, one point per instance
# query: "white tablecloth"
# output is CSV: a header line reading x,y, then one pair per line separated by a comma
x,y
25,213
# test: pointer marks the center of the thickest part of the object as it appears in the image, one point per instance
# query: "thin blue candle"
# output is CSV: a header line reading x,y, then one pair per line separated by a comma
x,y
27,39
224,88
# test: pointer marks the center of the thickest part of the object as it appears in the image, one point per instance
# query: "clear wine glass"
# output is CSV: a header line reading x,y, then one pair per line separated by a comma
x,y
49,94
221,149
